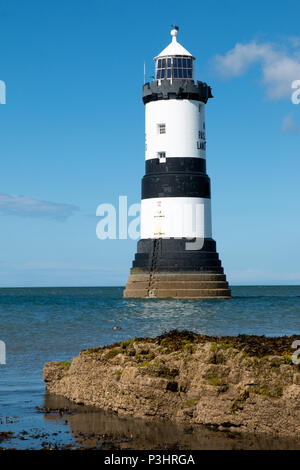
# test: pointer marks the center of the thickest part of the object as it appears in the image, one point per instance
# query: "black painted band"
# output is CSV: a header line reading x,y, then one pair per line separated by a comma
x,y
175,185
176,165
175,245
178,90
171,254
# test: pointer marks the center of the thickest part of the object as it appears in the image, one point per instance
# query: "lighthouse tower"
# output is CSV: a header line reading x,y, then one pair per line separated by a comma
x,y
176,255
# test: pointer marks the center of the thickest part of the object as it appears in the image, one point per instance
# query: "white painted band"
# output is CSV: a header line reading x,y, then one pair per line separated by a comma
x,y
184,126
176,217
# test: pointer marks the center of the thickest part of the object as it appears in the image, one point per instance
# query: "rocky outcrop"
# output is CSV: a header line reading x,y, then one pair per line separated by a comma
x,y
244,383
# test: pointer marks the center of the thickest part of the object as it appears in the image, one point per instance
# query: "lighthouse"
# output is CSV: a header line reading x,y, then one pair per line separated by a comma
x,y
176,255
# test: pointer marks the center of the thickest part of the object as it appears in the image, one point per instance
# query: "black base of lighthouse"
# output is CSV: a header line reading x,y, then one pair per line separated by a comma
x,y
178,255
178,268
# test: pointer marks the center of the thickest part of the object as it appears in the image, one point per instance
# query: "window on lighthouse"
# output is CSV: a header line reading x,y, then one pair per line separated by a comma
x,y
161,128
174,67
162,157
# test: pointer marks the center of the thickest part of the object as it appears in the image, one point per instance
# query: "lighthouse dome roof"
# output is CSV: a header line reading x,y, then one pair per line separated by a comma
x,y
174,48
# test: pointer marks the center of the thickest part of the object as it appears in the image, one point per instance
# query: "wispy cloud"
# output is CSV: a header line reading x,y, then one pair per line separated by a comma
x,y
294,41
289,126
279,66
26,206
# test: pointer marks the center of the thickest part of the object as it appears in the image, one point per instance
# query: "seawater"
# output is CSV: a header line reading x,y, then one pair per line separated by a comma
x,y
44,324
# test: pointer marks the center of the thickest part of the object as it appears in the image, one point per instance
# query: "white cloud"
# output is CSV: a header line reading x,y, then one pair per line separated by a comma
x,y
279,67
289,126
294,41
26,206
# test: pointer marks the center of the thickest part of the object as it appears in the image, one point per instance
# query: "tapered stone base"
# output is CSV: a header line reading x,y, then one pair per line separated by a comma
x,y
168,268
180,285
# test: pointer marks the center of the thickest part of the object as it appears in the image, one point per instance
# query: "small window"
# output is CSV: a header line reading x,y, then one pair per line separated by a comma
x,y
161,155
161,128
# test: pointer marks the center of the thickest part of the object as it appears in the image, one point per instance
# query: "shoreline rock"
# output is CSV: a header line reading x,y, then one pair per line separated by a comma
x,y
245,383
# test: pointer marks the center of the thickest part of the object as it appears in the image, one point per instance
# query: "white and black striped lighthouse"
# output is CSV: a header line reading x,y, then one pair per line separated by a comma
x,y
176,255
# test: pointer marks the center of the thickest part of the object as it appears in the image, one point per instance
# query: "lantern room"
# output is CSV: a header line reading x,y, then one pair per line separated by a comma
x,y
174,62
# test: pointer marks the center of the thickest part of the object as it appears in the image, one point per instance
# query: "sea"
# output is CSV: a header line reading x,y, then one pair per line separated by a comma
x,y
39,325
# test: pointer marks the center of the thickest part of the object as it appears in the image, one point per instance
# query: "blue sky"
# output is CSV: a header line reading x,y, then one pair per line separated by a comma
x,y
72,132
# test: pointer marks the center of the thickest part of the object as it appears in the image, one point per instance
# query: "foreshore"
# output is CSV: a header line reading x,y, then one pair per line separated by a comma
x,y
243,384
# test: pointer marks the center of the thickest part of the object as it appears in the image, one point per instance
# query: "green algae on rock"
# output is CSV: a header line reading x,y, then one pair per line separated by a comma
x,y
245,381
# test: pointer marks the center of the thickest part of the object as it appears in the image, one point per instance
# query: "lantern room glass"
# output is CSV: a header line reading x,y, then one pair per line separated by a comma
x,y
174,68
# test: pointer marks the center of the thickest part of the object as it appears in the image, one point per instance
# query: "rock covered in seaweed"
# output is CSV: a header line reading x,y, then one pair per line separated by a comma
x,y
244,383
